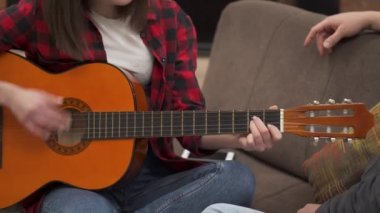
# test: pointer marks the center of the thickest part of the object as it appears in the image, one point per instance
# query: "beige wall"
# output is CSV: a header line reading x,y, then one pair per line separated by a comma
x,y
2,4
351,5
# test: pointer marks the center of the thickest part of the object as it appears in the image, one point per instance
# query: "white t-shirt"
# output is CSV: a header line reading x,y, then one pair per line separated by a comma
x,y
124,47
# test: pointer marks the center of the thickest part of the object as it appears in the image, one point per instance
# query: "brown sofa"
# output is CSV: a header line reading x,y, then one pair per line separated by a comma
x,y
258,60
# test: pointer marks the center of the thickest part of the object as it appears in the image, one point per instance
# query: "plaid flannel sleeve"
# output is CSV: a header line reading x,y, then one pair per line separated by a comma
x,y
16,25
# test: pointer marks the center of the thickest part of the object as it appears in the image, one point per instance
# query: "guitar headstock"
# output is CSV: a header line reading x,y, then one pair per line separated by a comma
x,y
344,120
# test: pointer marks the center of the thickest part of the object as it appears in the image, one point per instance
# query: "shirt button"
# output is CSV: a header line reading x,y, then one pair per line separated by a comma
x,y
163,60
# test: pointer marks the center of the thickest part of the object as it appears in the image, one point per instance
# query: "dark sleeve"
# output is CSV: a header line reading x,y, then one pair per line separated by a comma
x,y
362,197
16,25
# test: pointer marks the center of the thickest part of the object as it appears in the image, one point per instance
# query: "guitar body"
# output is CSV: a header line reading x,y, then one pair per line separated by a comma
x,y
27,163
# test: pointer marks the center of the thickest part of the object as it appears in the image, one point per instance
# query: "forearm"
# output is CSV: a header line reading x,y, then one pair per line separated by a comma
x,y
373,20
213,142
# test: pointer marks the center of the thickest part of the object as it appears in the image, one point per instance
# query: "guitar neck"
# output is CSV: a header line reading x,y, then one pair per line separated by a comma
x,y
108,125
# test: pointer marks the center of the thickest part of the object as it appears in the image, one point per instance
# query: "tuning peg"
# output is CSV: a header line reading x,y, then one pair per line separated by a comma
x,y
331,101
316,141
347,101
348,140
315,102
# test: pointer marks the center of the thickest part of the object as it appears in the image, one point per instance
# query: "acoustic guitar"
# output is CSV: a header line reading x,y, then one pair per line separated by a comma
x,y
110,121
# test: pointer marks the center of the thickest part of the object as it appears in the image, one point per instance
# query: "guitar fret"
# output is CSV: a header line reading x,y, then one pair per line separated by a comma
x,y
212,122
206,132
142,126
156,124
166,123
152,124
218,121
131,123
105,126
88,125
233,122
119,125
188,123
199,123
100,125
109,126
224,122
134,124
93,125
147,124
193,122
112,114
248,120
139,124
161,124
126,124
176,123
171,123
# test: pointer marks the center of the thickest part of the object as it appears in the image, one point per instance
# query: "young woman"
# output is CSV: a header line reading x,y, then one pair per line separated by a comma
x,y
155,41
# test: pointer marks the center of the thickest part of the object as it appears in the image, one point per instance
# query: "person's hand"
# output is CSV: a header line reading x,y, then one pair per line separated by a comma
x,y
38,111
332,29
261,136
309,208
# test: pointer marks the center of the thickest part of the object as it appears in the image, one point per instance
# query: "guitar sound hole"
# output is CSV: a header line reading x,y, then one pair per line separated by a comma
x,y
72,141
74,135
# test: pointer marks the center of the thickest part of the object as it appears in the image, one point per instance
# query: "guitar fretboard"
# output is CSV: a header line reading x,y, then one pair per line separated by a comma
x,y
108,125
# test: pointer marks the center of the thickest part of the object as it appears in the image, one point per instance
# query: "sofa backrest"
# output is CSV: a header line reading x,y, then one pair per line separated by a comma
x,y
258,60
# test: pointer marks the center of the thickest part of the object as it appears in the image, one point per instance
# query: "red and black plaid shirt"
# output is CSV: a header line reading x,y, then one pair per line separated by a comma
x,y
169,35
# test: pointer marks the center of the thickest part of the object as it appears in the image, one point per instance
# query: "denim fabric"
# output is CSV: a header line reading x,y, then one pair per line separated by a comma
x,y
157,189
68,199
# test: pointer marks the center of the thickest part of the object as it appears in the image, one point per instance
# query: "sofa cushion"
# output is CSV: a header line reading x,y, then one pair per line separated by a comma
x,y
276,190
255,59
339,165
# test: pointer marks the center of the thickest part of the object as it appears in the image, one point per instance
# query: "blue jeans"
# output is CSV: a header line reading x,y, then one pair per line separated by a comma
x,y
158,189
